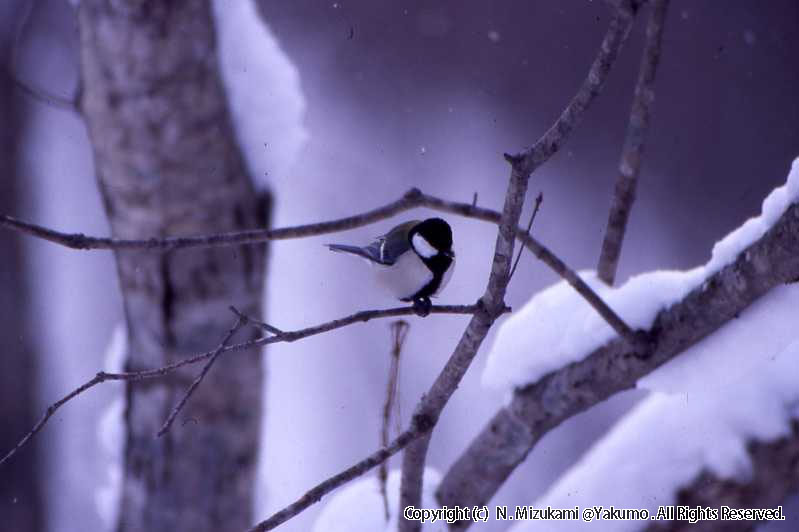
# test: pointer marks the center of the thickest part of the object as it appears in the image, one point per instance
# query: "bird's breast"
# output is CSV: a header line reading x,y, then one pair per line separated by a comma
x,y
405,277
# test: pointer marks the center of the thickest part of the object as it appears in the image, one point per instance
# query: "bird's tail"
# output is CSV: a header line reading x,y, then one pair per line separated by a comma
x,y
354,250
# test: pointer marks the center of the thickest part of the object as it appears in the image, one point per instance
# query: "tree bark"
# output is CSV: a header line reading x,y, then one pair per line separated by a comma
x,y
167,164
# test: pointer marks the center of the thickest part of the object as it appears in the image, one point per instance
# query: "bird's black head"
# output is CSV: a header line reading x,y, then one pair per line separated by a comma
x,y
431,237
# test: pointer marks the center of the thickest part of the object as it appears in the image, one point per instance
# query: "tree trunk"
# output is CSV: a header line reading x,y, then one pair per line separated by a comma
x,y
20,496
167,164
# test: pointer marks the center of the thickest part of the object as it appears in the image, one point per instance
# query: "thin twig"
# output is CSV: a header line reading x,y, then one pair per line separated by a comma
x,y
320,490
80,241
289,336
260,324
94,381
633,150
538,200
178,407
399,330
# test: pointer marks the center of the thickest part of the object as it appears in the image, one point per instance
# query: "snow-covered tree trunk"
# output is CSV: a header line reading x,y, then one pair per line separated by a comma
x,y
167,164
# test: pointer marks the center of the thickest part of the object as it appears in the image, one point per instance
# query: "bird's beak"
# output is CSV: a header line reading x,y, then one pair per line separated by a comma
x,y
450,254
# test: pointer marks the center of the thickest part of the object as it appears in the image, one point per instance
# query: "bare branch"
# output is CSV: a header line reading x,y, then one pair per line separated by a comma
x,y
412,199
97,379
289,336
553,139
538,200
316,493
178,407
260,324
534,410
633,150
399,330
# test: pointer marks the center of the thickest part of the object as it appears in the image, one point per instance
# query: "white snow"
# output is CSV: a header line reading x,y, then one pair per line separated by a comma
x,y
359,506
557,327
739,384
263,89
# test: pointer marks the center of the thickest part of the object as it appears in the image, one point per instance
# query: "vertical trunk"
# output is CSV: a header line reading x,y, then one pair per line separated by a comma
x,y
20,499
167,164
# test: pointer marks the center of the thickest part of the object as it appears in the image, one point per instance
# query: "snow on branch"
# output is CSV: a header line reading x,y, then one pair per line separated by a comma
x,y
682,307
737,386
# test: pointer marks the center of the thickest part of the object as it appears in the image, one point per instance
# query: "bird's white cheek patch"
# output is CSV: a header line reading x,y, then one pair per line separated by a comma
x,y
423,247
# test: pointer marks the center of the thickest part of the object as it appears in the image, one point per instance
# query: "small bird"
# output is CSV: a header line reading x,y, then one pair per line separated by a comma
x,y
414,260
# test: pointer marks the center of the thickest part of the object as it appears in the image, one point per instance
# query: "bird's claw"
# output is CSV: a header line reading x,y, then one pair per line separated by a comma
x,y
422,306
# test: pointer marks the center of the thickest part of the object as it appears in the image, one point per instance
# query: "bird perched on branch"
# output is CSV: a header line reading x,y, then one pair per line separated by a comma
x,y
414,260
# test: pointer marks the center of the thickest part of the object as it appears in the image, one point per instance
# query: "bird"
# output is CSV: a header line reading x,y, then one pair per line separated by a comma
x,y
414,260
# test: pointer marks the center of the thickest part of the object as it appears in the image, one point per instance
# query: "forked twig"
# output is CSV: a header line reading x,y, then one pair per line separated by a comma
x,y
538,200
399,330
287,336
178,407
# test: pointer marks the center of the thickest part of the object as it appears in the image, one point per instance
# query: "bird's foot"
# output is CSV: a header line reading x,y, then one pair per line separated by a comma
x,y
422,306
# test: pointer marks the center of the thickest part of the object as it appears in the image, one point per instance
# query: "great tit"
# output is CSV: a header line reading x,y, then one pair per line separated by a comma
x,y
414,260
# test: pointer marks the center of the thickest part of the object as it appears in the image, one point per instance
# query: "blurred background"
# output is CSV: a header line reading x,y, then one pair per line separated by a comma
x,y
394,95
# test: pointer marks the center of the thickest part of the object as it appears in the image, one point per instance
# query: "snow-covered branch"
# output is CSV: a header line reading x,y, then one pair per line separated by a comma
x,y
678,310
718,428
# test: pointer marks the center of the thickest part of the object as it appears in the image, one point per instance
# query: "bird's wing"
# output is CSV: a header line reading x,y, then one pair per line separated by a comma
x,y
394,243
385,249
